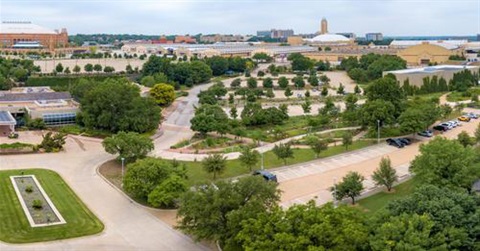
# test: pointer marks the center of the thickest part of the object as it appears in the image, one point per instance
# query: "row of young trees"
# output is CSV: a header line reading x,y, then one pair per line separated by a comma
x,y
87,68
441,214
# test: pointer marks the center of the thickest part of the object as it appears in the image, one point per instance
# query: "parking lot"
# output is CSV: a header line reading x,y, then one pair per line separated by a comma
x,y
301,183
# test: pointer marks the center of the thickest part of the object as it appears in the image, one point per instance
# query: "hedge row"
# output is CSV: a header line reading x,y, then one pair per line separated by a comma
x,y
64,81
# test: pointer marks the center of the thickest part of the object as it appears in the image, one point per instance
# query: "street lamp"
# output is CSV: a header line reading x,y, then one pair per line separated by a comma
x,y
123,168
263,164
334,192
378,131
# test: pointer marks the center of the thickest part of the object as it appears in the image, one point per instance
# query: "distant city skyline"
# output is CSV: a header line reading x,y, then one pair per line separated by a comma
x,y
392,18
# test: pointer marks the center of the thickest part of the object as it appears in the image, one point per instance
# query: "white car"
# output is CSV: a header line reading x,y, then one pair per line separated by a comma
x,y
447,125
453,123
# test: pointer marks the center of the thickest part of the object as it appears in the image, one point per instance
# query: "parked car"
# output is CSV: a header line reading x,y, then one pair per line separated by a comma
x,y
464,118
441,128
447,125
395,142
455,123
426,133
268,176
471,115
405,141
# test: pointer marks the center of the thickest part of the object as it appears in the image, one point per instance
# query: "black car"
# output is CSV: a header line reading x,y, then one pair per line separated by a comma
x,y
268,176
440,128
395,142
405,141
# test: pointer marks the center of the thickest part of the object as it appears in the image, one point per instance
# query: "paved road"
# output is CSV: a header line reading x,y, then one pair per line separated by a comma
x,y
127,225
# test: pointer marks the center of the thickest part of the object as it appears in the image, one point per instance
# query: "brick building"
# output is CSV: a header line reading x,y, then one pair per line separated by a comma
x,y
25,35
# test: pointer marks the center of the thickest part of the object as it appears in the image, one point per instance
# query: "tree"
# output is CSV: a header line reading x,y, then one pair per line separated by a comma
x,y
445,163
307,94
108,69
129,145
288,92
385,175
148,81
209,118
214,163
88,67
317,145
252,83
218,64
236,83
341,89
144,175
351,186
298,82
116,105
52,142
477,134
267,83
283,82
412,120
167,193
313,80
325,80
215,212
306,227
465,139
233,112
283,152
270,93
347,139
357,90
307,106
378,110
97,68
249,158
76,69
59,67
324,92
67,70
163,94
387,89
262,57
301,63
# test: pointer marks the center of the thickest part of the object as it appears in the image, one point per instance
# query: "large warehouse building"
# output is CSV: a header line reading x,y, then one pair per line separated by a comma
x,y
25,35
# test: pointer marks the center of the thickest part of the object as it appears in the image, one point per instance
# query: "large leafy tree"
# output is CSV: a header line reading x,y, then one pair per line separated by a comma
x,y
444,162
350,187
130,146
387,89
116,105
168,192
412,121
209,118
385,175
163,94
306,227
455,215
214,212
377,110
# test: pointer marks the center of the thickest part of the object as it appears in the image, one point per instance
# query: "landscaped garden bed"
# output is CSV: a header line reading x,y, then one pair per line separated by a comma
x,y
15,227
38,208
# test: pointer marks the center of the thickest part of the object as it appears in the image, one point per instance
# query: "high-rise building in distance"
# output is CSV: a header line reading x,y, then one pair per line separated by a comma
x,y
374,36
324,26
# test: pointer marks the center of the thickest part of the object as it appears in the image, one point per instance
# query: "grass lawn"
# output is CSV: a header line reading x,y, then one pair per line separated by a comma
x,y
14,226
378,201
234,168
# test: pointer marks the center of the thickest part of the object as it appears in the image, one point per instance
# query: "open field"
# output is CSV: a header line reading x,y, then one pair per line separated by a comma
x,y
14,226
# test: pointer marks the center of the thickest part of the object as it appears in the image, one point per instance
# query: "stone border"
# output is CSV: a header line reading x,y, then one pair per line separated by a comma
x,y
45,196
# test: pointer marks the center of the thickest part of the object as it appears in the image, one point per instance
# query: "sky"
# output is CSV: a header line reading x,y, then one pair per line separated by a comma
x,y
158,17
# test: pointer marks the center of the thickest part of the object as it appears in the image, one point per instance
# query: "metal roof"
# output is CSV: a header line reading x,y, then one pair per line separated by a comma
x,y
6,118
19,97
23,28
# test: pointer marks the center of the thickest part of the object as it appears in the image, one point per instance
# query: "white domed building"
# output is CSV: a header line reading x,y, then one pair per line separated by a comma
x,y
330,39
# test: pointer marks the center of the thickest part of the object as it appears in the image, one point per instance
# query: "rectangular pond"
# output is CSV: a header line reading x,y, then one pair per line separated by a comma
x,y
36,204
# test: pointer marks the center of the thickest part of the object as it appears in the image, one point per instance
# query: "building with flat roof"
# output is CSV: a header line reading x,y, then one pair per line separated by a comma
x,y
377,36
7,123
425,53
26,35
54,108
415,76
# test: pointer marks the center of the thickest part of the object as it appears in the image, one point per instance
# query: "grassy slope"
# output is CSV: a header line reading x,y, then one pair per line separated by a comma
x,y
378,201
14,227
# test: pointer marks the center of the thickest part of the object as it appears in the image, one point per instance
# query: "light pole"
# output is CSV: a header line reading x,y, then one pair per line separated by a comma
x,y
378,131
334,192
123,168
263,164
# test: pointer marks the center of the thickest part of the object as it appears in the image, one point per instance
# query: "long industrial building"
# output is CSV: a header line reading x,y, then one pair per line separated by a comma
x,y
26,35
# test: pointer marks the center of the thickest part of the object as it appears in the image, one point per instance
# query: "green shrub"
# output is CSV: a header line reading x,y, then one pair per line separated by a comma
x,y
29,189
37,204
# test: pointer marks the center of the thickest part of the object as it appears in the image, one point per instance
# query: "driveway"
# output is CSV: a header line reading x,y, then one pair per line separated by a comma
x,y
128,226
